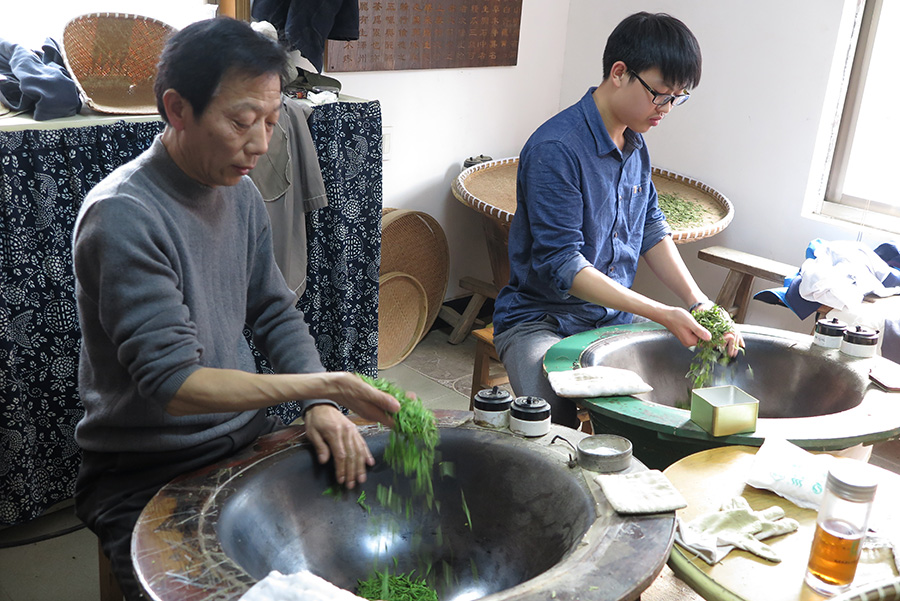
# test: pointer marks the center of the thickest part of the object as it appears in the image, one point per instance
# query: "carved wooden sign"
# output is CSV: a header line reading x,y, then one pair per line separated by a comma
x,y
433,34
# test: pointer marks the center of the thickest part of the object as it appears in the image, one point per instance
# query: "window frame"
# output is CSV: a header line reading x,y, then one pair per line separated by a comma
x,y
829,201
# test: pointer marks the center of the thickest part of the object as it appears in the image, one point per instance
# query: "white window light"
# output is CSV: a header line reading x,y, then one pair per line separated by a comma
x,y
853,181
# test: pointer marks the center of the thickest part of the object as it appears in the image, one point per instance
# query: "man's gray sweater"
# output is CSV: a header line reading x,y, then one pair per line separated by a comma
x,y
168,271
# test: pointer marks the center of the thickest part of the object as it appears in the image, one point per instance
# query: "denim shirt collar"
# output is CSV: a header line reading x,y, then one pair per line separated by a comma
x,y
605,145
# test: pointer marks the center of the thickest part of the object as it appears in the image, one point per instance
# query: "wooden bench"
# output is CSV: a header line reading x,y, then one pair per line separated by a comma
x,y
734,295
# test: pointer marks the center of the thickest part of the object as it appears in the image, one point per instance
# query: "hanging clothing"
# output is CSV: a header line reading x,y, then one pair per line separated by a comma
x,y
307,24
290,181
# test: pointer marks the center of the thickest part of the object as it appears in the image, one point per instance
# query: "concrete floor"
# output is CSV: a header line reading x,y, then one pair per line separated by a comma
x,y
65,567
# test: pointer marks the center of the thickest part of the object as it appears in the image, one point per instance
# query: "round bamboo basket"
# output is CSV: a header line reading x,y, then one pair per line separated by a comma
x,y
402,311
413,242
490,189
112,58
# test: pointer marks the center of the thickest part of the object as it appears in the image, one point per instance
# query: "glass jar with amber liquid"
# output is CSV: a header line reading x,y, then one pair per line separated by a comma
x,y
841,526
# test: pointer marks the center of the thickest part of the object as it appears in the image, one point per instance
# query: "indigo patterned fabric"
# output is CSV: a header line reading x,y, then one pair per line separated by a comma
x,y
341,297
44,176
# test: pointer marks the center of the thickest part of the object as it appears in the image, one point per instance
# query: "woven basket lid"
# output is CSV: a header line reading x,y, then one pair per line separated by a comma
x,y
490,188
402,310
413,242
112,58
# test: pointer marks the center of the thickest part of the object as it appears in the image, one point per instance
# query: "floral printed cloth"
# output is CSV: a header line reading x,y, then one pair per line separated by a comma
x,y
44,176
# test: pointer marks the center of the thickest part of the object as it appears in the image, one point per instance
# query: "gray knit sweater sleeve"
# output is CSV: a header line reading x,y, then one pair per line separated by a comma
x,y
168,271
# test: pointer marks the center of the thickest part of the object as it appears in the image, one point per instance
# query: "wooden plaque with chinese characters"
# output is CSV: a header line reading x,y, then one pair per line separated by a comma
x,y
436,34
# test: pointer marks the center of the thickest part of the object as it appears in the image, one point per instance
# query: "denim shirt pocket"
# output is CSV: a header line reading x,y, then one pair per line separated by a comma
x,y
633,211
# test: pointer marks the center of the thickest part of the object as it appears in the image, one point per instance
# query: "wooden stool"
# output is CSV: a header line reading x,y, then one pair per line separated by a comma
x,y
734,296
484,354
482,378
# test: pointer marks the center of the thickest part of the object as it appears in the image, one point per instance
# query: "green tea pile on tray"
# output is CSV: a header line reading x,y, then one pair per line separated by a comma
x,y
680,212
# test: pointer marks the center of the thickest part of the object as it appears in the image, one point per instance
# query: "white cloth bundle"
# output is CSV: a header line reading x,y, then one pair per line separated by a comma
x,y
640,492
301,586
597,380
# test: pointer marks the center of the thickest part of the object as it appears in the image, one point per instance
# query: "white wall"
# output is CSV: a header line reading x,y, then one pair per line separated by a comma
x,y
750,128
440,117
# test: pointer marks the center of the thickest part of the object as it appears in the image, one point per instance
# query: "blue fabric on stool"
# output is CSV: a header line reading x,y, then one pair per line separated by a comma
x,y
789,296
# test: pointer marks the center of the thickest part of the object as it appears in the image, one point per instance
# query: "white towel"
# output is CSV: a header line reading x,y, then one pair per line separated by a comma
x,y
640,492
597,380
301,586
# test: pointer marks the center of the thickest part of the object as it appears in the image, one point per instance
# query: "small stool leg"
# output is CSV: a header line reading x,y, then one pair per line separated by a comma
x,y
109,586
481,372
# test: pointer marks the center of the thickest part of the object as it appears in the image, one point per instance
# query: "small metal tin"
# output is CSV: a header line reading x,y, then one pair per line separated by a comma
x,y
860,341
724,410
604,453
529,416
829,333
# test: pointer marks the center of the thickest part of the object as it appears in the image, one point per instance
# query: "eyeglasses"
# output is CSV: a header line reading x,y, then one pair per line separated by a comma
x,y
663,99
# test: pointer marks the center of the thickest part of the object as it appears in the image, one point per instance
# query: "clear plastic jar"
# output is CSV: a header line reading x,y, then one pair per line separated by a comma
x,y
841,526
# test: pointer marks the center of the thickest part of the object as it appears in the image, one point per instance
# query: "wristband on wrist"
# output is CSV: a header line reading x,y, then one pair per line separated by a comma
x,y
697,304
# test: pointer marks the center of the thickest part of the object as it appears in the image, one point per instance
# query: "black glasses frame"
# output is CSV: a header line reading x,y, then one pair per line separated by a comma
x,y
675,99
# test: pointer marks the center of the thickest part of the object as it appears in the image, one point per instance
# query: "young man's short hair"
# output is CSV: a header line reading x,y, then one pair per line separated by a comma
x,y
645,40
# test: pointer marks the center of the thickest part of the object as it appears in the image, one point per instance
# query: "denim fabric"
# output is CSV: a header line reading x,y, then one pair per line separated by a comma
x,y
580,202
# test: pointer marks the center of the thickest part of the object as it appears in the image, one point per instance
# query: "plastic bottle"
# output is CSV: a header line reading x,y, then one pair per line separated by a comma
x,y
841,526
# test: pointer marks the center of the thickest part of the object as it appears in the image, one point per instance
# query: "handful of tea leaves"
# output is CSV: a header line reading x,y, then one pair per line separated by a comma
x,y
411,444
719,323
398,587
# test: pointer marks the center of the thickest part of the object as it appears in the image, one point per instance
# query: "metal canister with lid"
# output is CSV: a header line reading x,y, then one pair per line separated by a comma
x,y
529,416
860,341
492,407
829,332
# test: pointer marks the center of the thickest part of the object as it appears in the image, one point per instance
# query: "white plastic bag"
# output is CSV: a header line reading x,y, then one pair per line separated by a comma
x,y
791,472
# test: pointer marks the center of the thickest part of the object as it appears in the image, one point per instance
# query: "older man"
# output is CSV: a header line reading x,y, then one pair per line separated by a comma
x,y
173,256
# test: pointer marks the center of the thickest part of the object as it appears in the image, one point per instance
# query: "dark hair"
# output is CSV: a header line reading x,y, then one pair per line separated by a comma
x,y
197,58
644,41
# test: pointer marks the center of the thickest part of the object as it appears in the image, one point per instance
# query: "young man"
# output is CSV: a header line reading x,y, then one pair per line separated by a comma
x,y
587,210
173,255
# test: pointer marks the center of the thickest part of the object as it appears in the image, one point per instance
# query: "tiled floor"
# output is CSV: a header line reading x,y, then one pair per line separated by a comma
x,y
65,567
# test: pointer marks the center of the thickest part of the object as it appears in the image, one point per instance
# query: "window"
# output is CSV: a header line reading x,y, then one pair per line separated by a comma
x,y
862,188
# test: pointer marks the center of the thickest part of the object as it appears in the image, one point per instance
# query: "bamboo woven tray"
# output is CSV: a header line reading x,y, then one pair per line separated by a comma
x,y
413,242
490,188
402,310
112,59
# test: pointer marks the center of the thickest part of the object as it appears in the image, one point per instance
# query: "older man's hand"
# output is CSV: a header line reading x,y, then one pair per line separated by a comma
x,y
333,435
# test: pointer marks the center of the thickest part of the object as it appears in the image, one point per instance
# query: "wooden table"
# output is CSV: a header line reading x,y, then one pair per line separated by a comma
x,y
709,478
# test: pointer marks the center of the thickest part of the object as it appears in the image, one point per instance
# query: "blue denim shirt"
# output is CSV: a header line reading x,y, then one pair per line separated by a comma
x,y
580,202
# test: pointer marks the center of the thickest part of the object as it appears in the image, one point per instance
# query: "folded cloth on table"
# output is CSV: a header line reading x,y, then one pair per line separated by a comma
x,y
838,274
640,492
712,536
301,586
597,380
